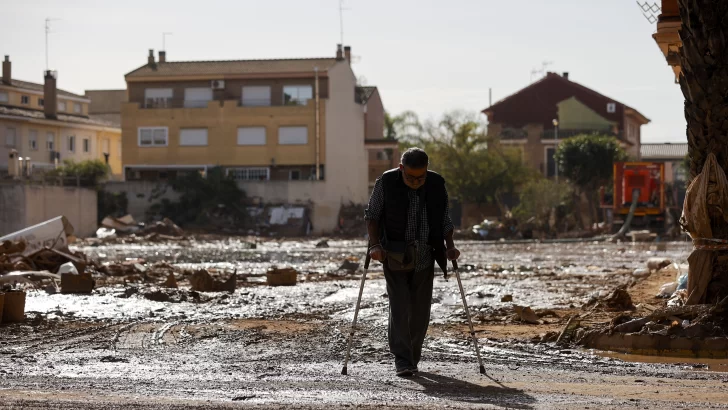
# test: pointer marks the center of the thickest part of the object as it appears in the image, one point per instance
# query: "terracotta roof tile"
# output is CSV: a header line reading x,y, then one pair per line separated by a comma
x,y
232,67
39,87
39,115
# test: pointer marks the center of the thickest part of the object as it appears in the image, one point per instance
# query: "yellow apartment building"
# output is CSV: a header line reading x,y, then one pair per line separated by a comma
x,y
289,130
46,125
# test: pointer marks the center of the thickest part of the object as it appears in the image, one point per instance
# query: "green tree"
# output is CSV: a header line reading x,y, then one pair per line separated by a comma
x,y
588,162
539,199
477,169
405,127
90,172
204,201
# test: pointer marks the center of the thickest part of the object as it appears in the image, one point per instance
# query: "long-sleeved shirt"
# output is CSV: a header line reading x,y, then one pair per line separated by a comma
x,y
424,251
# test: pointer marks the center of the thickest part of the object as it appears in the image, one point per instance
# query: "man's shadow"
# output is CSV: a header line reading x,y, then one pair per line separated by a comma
x,y
453,389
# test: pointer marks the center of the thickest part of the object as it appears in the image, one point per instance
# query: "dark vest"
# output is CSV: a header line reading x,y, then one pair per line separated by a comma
x,y
396,204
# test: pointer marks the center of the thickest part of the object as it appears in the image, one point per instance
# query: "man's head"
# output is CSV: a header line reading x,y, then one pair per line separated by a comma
x,y
414,167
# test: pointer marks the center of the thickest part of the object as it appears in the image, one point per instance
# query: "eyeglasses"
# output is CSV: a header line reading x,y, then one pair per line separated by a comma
x,y
414,179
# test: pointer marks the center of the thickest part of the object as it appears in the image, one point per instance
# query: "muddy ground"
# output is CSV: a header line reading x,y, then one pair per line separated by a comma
x,y
282,347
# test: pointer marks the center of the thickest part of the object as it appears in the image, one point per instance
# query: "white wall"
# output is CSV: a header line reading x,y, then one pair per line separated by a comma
x,y
346,158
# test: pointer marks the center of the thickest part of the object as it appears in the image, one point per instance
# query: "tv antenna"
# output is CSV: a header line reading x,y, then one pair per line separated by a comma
x,y
47,32
650,10
164,40
541,72
341,19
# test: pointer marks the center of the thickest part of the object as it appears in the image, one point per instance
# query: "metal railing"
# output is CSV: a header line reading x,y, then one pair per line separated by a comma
x,y
152,103
551,134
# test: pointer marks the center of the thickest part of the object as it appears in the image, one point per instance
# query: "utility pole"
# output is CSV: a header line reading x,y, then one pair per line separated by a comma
x,y
556,137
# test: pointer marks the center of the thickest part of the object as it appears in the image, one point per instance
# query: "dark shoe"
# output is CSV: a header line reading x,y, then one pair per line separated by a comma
x,y
405,373
415,370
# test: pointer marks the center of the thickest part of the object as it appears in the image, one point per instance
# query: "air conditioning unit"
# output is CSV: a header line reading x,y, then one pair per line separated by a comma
x,y
217,84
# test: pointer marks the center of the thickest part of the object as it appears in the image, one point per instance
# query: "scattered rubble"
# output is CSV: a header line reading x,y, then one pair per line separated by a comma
x,y
13,310
526,314
281,277
171,282
655,264
201,281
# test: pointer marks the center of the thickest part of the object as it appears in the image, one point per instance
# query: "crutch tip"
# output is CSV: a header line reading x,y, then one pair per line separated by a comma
x,y
482,369
343,370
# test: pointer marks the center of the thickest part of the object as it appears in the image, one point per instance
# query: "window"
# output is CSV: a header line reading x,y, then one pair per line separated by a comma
x,y
41,102
25,99
382,156
105,146
33,140
249,174
85,145
152,136
77,108
62,106
251,136
193,136
611,108
256,96
197,97
297,94
157,97
292,135
50,141
10,137
550,162
4,97
294,175
71,143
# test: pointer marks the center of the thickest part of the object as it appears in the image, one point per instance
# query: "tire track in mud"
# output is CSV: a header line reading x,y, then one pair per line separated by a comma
x,y
65,340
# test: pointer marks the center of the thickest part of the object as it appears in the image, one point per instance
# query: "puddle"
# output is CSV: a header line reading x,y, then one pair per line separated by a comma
x,y
698,364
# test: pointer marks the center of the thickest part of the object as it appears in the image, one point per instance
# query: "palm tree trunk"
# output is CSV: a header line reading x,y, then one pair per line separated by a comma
x,y
704,83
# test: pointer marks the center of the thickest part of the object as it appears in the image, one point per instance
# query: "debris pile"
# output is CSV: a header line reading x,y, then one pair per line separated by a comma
x,y
53,262
696,322
128,230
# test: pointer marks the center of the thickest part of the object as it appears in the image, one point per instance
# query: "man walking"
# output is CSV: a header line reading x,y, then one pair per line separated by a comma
x,y
409,225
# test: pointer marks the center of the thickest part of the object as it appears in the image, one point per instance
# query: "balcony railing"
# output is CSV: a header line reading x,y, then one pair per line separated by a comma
x,y
551,134
513,134
182,103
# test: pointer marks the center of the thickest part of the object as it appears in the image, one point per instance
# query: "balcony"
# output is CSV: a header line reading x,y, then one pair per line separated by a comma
x,y
152,103
513,134
550,134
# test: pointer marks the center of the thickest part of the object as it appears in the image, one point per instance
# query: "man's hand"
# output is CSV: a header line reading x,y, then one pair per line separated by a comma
x,y
452,254
377,253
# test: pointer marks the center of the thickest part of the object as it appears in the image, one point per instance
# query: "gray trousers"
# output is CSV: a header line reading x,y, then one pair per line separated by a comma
x,y
410,299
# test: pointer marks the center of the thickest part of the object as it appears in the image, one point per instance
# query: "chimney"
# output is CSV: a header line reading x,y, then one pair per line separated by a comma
x,y
347,53
566,75
150,59
50,93
7,67
162,56
339,53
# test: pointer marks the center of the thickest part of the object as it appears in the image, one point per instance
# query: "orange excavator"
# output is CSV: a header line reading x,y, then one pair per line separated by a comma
x,y
643,182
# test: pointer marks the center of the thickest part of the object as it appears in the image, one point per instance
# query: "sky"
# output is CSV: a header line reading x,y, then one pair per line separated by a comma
x,y
428,56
